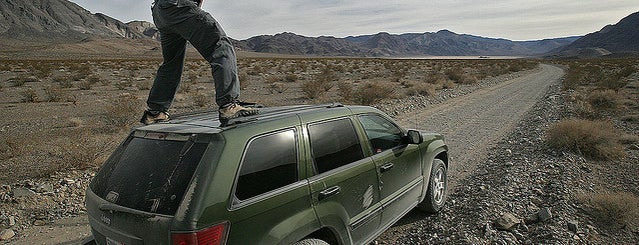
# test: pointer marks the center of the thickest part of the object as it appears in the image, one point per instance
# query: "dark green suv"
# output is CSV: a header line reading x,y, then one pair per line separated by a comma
x,y
310,174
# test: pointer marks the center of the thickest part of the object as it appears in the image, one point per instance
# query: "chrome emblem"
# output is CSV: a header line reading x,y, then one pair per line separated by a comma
x,y
112,196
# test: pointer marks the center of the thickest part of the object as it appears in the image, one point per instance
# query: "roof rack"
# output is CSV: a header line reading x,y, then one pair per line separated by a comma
x,y
275,111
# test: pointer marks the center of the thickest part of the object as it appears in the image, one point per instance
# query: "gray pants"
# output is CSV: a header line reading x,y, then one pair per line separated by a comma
x,y
180,21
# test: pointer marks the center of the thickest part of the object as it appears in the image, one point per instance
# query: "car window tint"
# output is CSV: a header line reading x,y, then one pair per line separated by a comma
x,y
334,144
149,175
382,133
270,162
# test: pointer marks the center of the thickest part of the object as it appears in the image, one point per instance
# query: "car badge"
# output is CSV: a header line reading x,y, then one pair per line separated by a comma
x,y
112,196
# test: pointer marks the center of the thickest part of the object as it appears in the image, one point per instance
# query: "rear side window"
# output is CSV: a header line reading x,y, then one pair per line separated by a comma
x,y
270,162
334,144
148,174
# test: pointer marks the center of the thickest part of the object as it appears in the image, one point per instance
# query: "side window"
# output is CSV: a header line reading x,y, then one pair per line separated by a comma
x,y
334,144
382,134
270,162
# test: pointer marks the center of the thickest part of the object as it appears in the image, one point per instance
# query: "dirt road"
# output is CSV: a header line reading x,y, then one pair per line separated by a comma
x,y
471,124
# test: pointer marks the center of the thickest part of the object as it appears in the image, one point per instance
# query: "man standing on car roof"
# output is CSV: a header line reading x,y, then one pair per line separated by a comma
x,y
180,21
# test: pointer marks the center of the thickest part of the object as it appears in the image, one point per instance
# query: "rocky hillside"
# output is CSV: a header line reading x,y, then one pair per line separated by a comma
x,y
62,20
618,39
441,43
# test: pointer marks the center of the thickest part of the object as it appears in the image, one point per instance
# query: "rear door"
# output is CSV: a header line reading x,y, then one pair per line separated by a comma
x,y
271,205
398,164
345,187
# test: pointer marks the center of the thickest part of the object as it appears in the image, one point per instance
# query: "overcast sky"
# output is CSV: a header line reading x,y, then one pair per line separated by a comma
x,y
510,19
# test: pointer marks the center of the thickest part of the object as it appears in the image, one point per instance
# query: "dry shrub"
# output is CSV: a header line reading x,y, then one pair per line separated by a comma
x,y
244,80
201,99
313,89
605,100
53,94
456,74
447,84
277,87
291,78
273,79
345,90
30,96
425,89
616,209
370,93
64,81
122,112
12,146
85,85
80,151
22,79
144,85
593,139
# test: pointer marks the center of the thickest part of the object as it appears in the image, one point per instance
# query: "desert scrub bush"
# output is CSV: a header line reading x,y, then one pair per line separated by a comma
x,y
425,89
21,80
93,79
30,96
313,89
273,79
277,87
291,78
455,74
373,92
12,146
85,85
123,85
244,80
63,81
122,112
614,209
345,91
593,139
201,99
79,152
53,94
605,100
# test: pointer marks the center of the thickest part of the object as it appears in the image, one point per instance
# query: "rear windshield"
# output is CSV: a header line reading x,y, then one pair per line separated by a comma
x,y
148,174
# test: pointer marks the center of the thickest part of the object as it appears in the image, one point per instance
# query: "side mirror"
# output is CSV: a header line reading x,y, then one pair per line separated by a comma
x,y
414,137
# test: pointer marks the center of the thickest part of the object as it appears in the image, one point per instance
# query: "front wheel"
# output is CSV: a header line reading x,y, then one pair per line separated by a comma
x,y
311,241
437,185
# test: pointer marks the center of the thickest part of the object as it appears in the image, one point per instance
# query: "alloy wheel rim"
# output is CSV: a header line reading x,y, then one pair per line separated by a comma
x,y
439,187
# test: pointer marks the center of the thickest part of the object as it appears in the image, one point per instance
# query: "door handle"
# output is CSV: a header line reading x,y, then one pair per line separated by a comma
x,y
386,167
329,192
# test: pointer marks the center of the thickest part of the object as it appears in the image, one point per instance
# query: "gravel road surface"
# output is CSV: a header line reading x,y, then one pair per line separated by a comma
x,y
474,122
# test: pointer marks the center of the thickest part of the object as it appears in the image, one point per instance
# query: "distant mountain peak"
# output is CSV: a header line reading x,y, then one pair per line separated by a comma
x,y
62,20
618,39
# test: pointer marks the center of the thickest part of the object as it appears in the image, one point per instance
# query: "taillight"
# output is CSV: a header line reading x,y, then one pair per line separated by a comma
x,y
213,235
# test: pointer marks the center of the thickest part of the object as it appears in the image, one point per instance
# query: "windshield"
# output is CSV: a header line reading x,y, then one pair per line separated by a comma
x,y
148,174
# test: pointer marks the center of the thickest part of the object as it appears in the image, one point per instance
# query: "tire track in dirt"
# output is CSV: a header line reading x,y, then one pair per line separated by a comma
x,y
474,122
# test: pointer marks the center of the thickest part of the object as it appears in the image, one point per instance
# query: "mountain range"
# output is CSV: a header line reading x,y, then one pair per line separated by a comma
x,y
64,22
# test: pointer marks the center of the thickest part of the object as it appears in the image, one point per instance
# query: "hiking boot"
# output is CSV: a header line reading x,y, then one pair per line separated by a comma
x,y
151,117
235,110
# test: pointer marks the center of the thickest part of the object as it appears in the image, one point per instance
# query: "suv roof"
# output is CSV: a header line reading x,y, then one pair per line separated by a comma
x,y
207,121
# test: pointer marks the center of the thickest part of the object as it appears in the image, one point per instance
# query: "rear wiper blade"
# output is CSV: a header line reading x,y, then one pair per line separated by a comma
x,y
117,208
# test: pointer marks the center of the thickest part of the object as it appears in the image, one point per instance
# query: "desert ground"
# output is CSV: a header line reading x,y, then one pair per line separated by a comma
x,y
553,144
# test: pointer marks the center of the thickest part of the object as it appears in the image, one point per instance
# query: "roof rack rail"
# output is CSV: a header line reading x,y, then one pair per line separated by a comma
x,y
241,120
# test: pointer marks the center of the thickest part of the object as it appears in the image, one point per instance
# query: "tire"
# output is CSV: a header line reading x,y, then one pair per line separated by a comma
x,y
311,241
437,188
